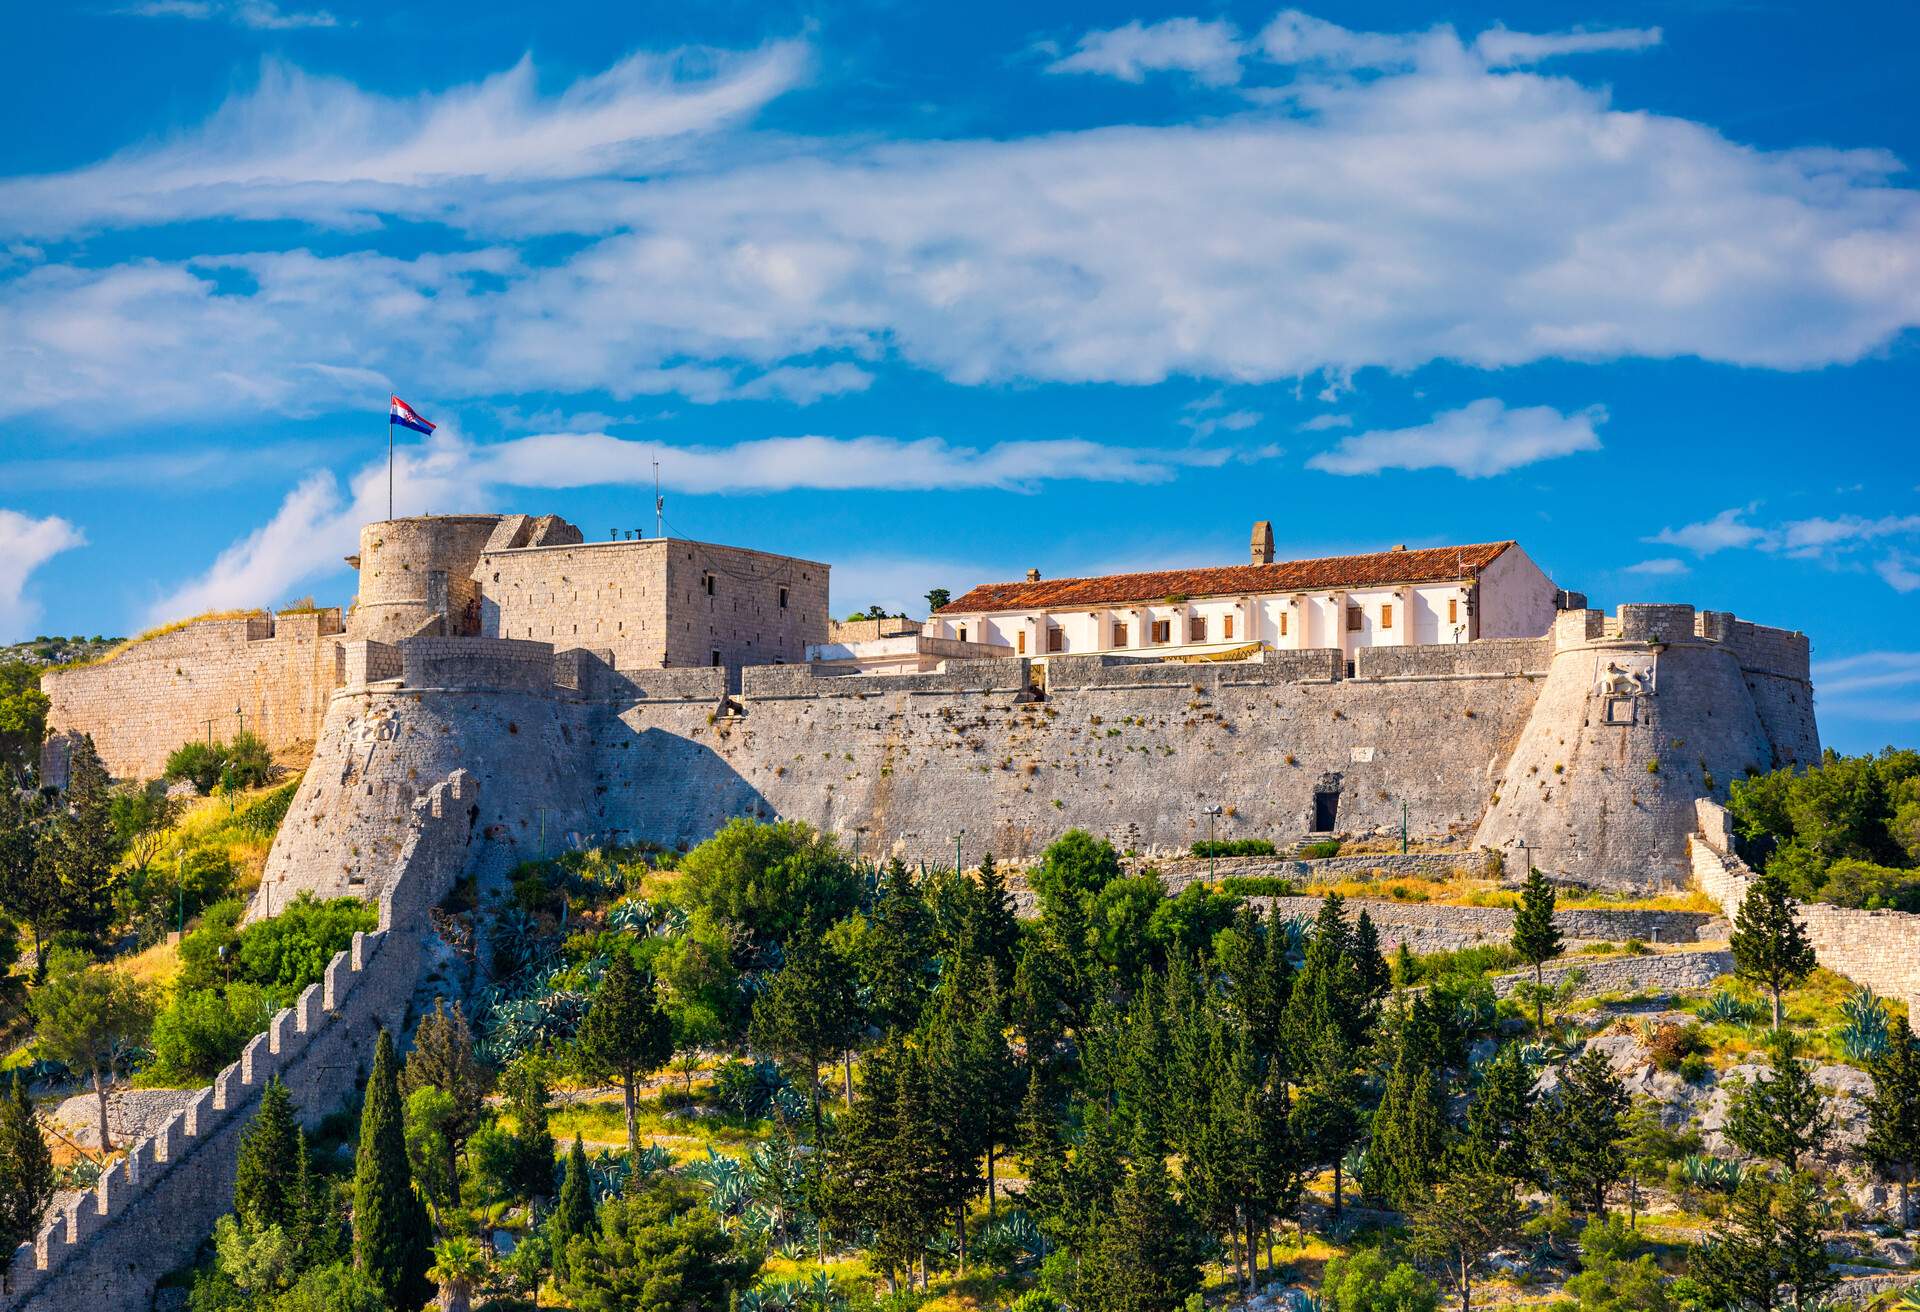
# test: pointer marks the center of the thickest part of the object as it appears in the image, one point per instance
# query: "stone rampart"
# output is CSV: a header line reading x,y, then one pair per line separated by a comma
x,y
271,675
1427,927
1880,949
152,1209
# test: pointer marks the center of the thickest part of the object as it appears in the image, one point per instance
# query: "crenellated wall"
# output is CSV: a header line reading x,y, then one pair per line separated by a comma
x,y
151,1210
1880,949
269,674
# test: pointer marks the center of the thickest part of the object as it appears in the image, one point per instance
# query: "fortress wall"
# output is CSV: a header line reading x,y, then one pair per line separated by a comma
x,y
159,693
743,619
1601,787
1491,656
151,1211
416,575
609,595
1880,949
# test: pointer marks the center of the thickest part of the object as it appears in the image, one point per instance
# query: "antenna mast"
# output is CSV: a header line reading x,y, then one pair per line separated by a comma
x,y
659,504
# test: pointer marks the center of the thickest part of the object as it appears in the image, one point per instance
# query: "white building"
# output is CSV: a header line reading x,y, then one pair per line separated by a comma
x,y
1384,599
896,645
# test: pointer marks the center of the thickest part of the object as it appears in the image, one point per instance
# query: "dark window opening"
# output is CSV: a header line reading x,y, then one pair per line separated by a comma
x,y
716,658
1326,809
783,599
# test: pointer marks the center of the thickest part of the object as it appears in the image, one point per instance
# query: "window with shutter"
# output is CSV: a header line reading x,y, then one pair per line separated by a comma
x,y
1197,629
1226,626
1056,639
1354,620
1386,615
1163,630
1283,624
1119,634
1020,642
1453,610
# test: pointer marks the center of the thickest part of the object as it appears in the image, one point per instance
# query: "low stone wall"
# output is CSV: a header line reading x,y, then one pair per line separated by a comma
x,y
1880,949
1426,927
152,1209
1654,973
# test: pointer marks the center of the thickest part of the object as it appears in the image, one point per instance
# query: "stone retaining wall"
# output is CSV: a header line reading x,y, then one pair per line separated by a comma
x,y
1880,949
151,1210
1654,973
1426,927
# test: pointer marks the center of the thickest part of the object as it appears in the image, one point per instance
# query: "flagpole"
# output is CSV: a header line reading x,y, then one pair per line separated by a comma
x,y
389,462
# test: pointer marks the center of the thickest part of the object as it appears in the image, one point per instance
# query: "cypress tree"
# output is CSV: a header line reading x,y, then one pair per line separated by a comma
x,y
1769,944
996,932
391,1238
1498,1113
26,1166
267,1170
443,1058
573,1214
1893,1112
1409,1138
81,848
626,1034
898,956
1782,1117
1535,938
1369,965
1146,1258
532,1139
808,1012
1769,1239
1576,1132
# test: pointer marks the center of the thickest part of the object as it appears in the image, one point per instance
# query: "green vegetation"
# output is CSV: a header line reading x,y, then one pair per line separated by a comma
x,y
1846,831
242,763
1233,847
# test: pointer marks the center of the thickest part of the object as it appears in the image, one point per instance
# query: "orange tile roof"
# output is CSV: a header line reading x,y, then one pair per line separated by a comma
x,y
1376,569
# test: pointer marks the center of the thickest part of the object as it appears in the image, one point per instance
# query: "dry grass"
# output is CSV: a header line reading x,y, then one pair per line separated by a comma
x,y
121,648
156,965
1476,892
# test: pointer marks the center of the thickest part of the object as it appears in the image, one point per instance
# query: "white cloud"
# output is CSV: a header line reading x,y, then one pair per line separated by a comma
x,y
25,545
1440,211
1901,571
1724,530
1662,567
316,524
1478,440
1208,50
306,145
1234,421
1325,423
1872,687
260,15
1501,48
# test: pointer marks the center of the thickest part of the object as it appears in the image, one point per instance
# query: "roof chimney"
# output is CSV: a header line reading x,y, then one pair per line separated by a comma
x,y
1262,546
1033,576
1398,546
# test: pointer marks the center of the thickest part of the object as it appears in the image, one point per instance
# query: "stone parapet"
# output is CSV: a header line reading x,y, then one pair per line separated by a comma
x,y
150,1212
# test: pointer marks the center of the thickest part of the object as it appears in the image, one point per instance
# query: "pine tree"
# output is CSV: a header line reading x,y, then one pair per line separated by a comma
x,y
1770,946
1893,1113
1576,1132
26,1167
532,1139
1369,965
391,1236
573,1213
29,889
443,1058
1498,1113
1769,1240
1782,1117
898,955
1462,1221
1535,938
267,1178
1409,1136
996,933
625,1035
1146,1257
808,1012
80,847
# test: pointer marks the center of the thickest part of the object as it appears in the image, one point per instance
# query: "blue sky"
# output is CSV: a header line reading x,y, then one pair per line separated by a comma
x,y
939,293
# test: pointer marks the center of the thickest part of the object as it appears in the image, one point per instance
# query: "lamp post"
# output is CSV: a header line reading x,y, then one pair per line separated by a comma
x,y
957,836
1213,857
1526,859
1403,827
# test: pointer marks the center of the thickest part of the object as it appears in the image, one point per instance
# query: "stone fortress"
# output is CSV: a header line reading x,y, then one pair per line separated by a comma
x,y
501,689
650,689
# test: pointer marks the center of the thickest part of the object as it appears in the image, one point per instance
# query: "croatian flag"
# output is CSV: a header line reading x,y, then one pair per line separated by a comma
x,y
407,417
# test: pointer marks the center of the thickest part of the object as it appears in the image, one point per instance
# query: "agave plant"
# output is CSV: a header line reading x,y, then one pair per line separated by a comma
x,y
1723,1008
1865,1035
729,1191
1715,1173
815,1295
749,1088
631,915
1013,1241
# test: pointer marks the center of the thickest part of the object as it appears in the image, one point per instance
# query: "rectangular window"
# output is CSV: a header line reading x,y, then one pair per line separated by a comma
x,y
1453,610
1056,639
1226,627
783,599
1119,634
716,657
708,581
1386,615
1163,630
1354,621
1283,624
1197,629
963,633
1020,642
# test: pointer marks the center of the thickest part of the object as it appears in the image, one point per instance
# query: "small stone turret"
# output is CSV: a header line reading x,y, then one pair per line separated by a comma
x,y
416,576
1260,550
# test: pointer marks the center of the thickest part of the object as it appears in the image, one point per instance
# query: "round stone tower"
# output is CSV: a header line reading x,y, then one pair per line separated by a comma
x,y
416,576
1638,717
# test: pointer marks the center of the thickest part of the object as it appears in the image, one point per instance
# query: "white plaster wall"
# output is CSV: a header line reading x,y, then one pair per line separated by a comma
x,y
1516,597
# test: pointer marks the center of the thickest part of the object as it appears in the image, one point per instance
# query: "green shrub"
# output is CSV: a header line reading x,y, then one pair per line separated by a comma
x,y
1258,886
1367,1282
1694,1068
1233,847
1672,1044
1326,847
201,1030
198,763
292,949
1466,963
243,763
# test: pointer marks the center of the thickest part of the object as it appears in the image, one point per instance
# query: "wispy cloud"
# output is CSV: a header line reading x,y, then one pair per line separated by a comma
x,y
1210,51
1501,48
318,521
26,544
1832,540
1476,441
1726,529
1662,567
1875,686
1326,423
259,15
1901,571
